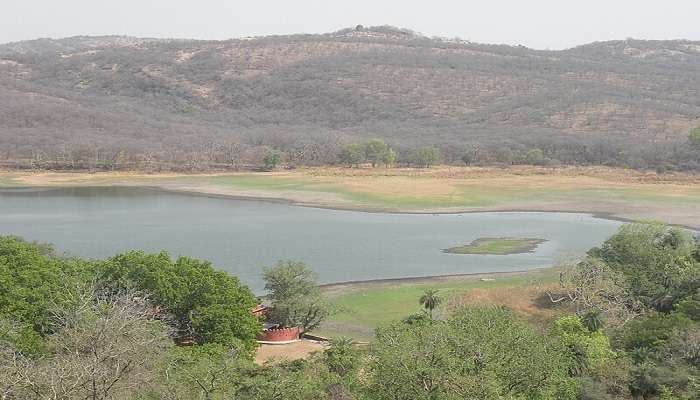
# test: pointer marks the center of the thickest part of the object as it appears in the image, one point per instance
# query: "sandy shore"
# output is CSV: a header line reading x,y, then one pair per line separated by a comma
x,y
685,218
603,192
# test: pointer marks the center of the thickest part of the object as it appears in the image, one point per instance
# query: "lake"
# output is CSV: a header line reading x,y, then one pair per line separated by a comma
x,y
242,236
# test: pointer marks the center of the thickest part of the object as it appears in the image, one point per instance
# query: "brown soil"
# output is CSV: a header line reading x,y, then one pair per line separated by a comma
x,y
292,351
526,301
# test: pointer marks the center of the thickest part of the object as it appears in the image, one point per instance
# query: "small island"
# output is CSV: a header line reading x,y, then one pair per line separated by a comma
x,y
497,246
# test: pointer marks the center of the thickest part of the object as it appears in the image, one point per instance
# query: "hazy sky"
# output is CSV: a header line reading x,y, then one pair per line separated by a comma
x,y
553,24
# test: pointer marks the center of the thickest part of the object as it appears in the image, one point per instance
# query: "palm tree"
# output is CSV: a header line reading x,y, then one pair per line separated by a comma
x,y
430,300
592,320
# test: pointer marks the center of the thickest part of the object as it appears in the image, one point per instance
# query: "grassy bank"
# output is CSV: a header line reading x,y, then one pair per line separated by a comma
x,y
624,194
497,246
364,306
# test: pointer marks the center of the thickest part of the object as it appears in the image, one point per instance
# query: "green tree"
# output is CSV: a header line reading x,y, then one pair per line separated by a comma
x,y
467,157
430,301
694,138
352,155
427,157
294,295
376,151
588,350
32,281
271,158
653,332
470,155
209,304
389,158
535,157
651,380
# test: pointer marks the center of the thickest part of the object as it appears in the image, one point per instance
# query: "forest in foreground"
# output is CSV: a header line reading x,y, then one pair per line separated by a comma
x,y
70,328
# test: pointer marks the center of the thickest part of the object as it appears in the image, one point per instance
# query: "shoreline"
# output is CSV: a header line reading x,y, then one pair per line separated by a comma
x,y
608,215
606,193
350,286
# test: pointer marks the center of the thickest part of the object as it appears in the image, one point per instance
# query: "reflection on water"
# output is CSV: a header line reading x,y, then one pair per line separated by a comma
x,y
243,236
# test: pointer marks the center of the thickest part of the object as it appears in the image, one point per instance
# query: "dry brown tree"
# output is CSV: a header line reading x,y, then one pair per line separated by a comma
x,y
591,285
104,348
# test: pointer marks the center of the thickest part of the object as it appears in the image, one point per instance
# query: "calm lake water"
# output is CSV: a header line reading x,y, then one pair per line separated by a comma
x,y
243,236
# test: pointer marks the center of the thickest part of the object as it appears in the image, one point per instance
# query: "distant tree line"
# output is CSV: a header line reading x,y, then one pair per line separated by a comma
x,y
267,155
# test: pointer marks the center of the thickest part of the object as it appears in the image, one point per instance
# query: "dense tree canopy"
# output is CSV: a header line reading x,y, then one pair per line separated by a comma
x,y
589,351
375,151
644,280
208,304
658,262
477,354
32,282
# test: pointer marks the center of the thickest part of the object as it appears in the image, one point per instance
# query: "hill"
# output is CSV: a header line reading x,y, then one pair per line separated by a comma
x,y
120,102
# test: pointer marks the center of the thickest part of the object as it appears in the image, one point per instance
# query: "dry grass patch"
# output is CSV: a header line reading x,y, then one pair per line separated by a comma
x,y
615,175
529,302
292,351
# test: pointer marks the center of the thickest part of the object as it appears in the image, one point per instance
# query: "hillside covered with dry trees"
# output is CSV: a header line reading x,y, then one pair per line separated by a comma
x,y
128,103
